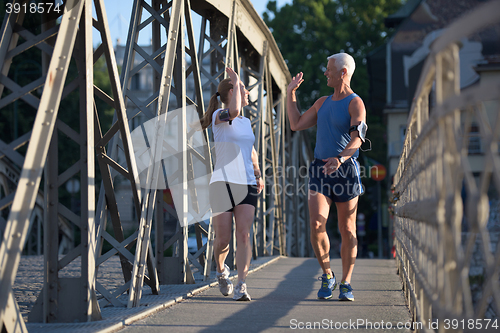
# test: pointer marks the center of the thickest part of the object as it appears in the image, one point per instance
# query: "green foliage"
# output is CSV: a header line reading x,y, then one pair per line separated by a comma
x,y
308,31
101,80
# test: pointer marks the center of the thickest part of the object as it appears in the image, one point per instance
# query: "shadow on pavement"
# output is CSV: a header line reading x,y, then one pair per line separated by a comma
x,y
264,312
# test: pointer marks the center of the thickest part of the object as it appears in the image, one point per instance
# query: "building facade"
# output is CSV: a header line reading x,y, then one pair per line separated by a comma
x,y
395,67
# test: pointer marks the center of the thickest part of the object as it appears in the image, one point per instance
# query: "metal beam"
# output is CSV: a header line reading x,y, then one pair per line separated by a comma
x,y
43,129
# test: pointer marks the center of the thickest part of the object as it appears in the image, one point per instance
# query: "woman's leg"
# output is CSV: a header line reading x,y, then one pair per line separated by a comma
x,y
244,217
222,224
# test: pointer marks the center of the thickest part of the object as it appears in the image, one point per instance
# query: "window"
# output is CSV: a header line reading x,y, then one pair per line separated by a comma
x,y
474,140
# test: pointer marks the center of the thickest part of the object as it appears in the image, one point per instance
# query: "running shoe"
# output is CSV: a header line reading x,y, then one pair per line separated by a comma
x,y
225,285
327,286
345,292
240,292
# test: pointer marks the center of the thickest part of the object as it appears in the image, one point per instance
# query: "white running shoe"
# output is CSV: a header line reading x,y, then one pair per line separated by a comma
x,y
240,292
225,285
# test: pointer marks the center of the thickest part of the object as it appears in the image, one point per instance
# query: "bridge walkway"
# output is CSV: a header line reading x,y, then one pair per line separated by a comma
x,y
283,294
284,299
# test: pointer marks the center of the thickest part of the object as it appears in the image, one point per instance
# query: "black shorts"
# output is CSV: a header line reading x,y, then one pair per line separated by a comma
x,y
225,196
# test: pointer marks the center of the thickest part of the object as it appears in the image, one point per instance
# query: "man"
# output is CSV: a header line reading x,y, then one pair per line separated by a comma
x,y
334,173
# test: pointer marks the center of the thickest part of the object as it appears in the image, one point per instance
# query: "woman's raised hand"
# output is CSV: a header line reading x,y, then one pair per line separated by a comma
x,y
232,75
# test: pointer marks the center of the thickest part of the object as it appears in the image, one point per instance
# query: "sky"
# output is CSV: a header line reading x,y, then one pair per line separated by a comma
x,y
119,11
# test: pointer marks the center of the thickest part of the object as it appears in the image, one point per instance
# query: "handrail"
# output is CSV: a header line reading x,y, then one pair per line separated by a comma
x,y
445,233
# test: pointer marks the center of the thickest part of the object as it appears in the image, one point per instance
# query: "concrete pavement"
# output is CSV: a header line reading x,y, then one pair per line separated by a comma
x,y
284,299
29,282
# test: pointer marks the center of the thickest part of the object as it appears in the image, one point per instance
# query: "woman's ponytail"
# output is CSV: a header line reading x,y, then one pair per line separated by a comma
x,y
213,105
222,91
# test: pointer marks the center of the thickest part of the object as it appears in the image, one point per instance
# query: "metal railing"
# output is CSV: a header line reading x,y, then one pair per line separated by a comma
x,y
446,202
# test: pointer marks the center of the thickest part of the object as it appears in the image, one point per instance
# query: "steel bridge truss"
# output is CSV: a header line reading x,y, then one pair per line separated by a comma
x,y
232,34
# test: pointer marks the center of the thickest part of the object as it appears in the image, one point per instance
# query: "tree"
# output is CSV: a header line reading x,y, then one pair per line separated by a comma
x,y
308,31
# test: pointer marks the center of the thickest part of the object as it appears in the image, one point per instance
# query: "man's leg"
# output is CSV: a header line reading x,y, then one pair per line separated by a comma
x,y
347,225
319,207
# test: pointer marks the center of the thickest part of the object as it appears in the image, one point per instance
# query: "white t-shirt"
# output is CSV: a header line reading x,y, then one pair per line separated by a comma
x,y
233,151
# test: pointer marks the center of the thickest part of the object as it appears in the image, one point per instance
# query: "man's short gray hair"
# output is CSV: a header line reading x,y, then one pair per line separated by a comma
x,y
344,60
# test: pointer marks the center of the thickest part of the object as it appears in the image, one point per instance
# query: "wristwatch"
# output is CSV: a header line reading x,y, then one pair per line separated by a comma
x,y
341,159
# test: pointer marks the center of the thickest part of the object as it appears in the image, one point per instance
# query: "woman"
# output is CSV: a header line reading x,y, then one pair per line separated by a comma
x,y
236,180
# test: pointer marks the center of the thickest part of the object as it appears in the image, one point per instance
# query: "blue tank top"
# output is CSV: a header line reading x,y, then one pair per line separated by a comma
x,y
334,121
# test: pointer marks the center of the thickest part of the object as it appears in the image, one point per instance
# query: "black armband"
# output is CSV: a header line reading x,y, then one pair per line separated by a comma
x,y
361,128
224,115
